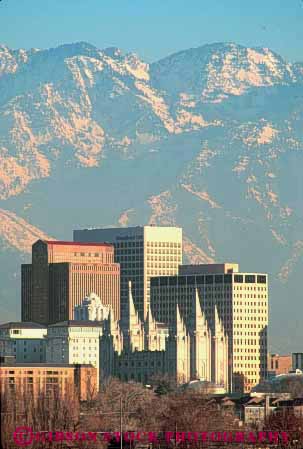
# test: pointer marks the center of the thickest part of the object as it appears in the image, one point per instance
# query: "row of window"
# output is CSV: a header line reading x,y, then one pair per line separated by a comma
x,y
164,244
250,296
251,325
164,272
252,303
47,372
128,244
164,251
163,258
253,334
249,365
88,254
139,364
208,279
128,255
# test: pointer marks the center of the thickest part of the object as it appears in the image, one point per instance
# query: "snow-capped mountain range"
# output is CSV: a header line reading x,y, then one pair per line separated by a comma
x,y
209,138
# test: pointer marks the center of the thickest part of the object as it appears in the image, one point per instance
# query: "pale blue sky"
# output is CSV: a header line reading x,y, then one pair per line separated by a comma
x,y
154,28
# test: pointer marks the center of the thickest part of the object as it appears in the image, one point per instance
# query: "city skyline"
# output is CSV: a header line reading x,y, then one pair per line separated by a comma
x,y
151,239
97,136
187,302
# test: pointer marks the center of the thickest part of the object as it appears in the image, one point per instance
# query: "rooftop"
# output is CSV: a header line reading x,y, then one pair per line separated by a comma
x,y
43,365
64,243
22,325
77,323
211,268
95,228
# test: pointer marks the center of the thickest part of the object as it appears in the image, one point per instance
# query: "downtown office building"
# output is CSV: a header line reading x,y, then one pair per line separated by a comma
x,y
142,252
242,303
62,274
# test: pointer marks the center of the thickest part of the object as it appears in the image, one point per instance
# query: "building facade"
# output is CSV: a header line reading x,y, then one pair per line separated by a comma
x,y
74,342
24,341
278,364
142,252
62,274
297,361
241,300
48,379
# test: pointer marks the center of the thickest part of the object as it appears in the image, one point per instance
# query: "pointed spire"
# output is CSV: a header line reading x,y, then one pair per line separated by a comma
x,y
111,320
131,317
131,306
219,327
217,320
179,326
149,320
197,316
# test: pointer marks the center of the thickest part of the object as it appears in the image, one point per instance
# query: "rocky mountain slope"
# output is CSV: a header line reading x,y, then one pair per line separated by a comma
x,y
209,138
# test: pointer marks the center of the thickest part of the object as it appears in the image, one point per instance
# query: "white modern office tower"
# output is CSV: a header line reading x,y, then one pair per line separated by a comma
x,y
91,309
143,252
24,341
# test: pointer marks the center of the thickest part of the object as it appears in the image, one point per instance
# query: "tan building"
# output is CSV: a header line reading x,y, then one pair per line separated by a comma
x,y
62,274
143,252
49,378
242,303
279,364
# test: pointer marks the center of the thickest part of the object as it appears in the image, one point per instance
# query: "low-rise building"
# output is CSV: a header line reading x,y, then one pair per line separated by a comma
x,y
278,364
24,341
257,409
295,405
48,379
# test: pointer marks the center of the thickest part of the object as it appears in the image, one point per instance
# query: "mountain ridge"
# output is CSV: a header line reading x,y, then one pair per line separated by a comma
x,y
208,138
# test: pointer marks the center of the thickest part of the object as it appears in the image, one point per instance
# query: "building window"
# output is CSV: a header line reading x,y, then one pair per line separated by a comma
x,y
250,279
238,278
261,279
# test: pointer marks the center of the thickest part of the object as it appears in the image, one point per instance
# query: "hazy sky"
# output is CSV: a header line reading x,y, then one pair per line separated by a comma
x,y
154,28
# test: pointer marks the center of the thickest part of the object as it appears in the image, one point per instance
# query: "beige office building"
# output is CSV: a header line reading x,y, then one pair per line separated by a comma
x,y
242,304
142,252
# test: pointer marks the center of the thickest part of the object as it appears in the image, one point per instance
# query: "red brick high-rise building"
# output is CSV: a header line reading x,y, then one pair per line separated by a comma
x,y
62,274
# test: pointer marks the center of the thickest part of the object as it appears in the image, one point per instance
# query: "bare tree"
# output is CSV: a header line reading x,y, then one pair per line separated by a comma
x,y
190,412
164,384
285,420
43,413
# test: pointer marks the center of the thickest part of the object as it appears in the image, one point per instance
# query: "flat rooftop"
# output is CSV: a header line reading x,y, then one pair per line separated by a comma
x,y
65,243
77,323
22,325
43,365
213,268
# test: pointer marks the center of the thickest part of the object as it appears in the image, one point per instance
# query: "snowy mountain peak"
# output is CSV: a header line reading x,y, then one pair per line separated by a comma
x,y
208,138
213,72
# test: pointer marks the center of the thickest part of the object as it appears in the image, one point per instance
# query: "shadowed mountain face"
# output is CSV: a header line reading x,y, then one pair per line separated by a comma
x,y
208,138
